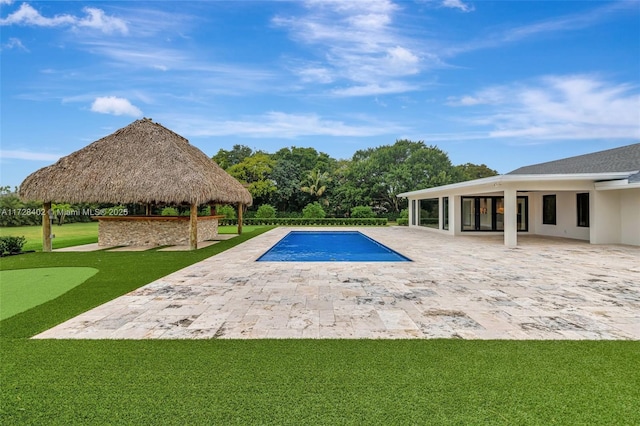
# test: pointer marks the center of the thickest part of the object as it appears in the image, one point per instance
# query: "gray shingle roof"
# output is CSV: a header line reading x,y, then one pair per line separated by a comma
x,y
623,159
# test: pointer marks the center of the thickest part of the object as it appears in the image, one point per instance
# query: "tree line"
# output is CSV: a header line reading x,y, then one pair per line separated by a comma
x,y
294,177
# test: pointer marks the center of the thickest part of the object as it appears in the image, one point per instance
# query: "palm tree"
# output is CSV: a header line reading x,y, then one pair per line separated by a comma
x,y
316,184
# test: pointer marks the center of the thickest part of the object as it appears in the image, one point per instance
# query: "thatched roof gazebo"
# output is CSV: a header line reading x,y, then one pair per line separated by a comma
x,y
143,163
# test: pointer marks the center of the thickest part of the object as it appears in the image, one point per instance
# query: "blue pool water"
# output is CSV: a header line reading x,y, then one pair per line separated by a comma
x,y
330,246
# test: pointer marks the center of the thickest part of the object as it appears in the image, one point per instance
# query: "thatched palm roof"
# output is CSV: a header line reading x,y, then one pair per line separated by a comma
x,y
143,162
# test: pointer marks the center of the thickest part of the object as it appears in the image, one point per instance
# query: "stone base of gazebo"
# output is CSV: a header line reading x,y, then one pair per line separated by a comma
x,y
153,230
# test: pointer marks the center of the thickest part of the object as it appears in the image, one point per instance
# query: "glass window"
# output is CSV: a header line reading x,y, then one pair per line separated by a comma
x,y
429,213
549,209
583,209
500,214
487,213
523,208
445,213
468,214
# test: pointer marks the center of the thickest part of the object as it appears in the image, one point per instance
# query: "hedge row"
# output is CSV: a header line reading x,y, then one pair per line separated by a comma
x,y
430,221
298,221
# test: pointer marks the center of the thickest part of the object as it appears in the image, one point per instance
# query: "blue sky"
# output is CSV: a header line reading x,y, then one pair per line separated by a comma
x,y
505,83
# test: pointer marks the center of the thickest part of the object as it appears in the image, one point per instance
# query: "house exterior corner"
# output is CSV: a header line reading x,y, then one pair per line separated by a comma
x,y
599,204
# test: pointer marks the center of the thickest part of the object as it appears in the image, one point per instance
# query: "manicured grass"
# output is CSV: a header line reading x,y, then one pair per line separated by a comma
x,y
292,381
22,289
67,235
119,273
232,229
320,382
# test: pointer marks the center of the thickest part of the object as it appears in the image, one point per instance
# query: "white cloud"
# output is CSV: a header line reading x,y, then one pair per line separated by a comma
x,y
315,74
14,43
203,76
558,107
356,41
6,1
27,15
374,89
141,55
457,4
402,61
28,155
277,124
491,95
463,101
558,24
95,19
116,106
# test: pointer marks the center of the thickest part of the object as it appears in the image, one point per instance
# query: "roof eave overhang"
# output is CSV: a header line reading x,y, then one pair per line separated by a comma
x,y
496,181
616,184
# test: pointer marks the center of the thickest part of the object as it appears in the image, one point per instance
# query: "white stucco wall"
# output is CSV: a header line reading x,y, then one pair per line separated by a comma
x,y
566,216
605,217
614,213
630,216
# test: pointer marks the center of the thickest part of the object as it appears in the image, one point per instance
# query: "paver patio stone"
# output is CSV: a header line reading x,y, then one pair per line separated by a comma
x,y
455,287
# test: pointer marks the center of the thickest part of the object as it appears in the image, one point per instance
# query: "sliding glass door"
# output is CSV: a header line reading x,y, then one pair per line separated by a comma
x,y
485,217
487,213
468,214
523,208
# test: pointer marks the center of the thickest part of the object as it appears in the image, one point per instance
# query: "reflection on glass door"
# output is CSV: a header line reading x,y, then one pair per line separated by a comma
x,y
523,223
487,213
468,214
500,214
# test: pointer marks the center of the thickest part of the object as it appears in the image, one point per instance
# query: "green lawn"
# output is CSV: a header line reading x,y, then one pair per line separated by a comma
x,y
234,229
69,234
22,289
292,381
73,234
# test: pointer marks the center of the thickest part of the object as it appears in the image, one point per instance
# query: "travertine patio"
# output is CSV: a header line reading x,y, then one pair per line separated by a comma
x,y
462,287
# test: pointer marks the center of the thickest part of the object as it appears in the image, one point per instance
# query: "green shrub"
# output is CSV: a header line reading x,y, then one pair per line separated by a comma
x,y
313,210
362,211
169,211
266,211
297,221
228,211
403,220
289,214
11,244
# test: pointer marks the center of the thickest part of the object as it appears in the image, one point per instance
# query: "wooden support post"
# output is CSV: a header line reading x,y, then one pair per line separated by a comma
x,y
240,206
212,207
148,210
46,227
193,227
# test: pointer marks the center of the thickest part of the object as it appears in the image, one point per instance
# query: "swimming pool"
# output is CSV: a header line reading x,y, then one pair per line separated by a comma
x,y
330,246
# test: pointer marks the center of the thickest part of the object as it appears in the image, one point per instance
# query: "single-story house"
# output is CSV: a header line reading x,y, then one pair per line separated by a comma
x,y
593,197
